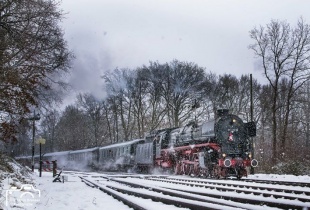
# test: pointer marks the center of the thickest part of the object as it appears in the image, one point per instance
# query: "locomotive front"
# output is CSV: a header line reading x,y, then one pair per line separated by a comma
x,y
233,134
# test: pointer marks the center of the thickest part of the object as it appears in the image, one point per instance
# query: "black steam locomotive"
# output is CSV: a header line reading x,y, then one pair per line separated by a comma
x,y
217,148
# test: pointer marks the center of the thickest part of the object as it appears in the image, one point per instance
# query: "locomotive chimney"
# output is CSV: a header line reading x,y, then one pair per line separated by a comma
x,y
222,112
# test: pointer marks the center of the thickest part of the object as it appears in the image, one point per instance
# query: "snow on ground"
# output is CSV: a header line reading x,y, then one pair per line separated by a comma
x,y
74,194
278,177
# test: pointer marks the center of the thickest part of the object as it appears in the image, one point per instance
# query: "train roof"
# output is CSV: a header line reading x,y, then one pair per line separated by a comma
x,y
83,150
56,153
122,144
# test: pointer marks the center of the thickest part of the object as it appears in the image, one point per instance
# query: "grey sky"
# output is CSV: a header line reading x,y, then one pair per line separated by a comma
x,y
105,34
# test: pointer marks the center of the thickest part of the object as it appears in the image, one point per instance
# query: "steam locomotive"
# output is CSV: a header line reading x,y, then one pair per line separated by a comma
x,y
216,148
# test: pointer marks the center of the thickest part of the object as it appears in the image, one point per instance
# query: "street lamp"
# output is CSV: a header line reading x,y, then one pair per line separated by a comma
x,y
34,118
41,141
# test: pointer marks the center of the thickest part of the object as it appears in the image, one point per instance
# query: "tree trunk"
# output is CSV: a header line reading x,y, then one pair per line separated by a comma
x,y
274,124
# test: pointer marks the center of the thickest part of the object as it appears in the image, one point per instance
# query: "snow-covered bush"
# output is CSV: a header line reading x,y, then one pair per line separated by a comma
x,y
291,167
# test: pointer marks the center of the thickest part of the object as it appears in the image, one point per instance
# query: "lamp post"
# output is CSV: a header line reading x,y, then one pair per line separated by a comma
x,y
40,142
34,118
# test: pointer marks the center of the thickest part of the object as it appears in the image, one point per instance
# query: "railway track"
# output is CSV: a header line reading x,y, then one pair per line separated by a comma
x,y
276,182
131,197
225,185
261,181
212,194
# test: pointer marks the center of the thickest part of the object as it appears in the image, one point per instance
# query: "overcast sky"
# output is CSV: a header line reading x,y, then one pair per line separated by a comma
x,y
106,34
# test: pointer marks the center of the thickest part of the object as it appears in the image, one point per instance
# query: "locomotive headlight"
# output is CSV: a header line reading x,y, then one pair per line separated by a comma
x,y
224,155
250,155
232,121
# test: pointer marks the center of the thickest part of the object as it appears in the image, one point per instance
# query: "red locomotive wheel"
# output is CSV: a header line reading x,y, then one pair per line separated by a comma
x,y
177,169
190,169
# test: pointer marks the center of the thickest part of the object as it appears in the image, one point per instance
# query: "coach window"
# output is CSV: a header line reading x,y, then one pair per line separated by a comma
x,y
145,151
132,149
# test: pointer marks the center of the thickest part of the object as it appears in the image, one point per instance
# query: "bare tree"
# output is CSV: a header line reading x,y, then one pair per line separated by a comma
x,y
139,86
180,86
72,131
306,107
154,111
284,53
303,114
48,127
120,96
227,90
94,109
